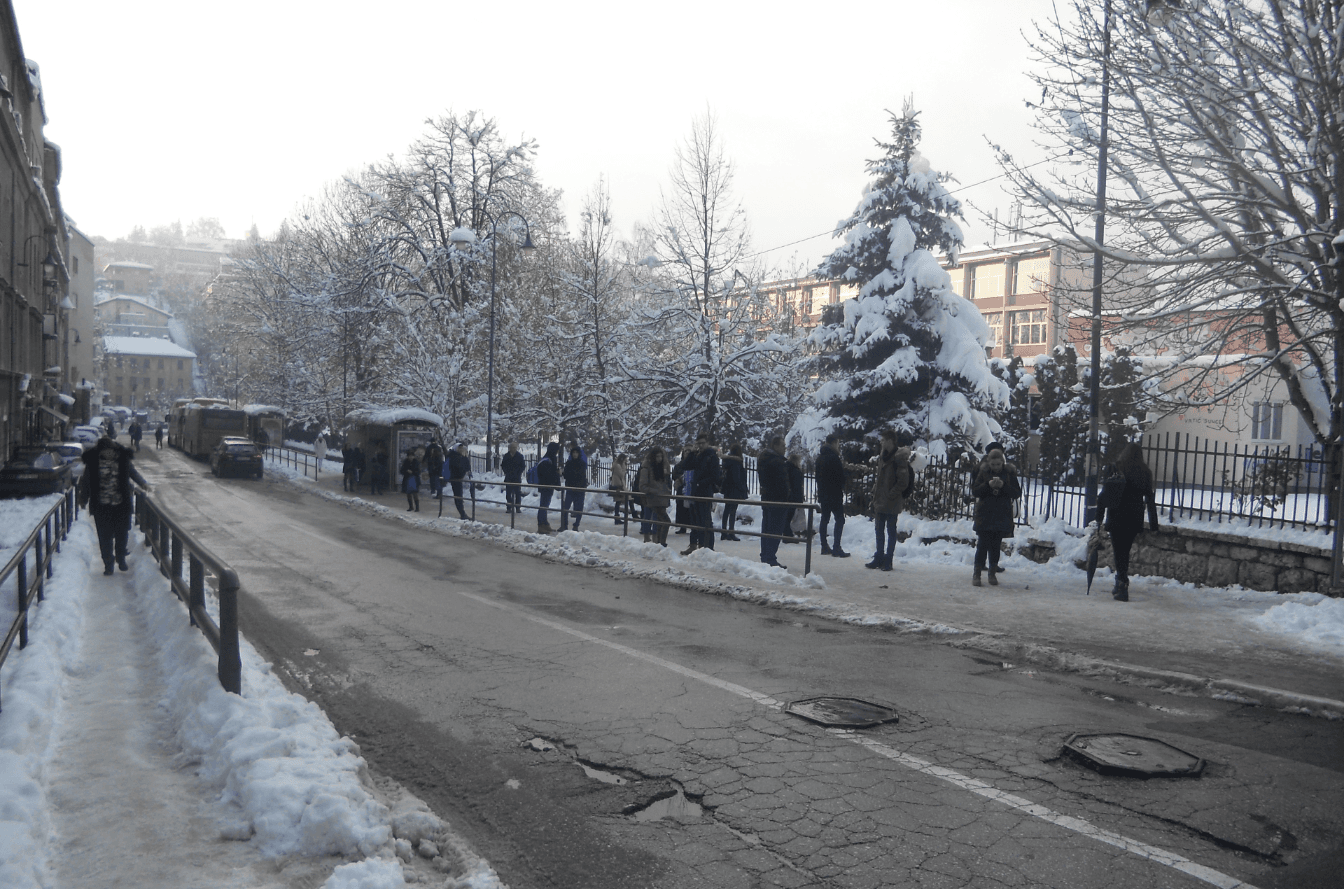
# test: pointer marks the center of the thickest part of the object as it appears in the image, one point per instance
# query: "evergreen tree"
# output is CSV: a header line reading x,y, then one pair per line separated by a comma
x,y
907,352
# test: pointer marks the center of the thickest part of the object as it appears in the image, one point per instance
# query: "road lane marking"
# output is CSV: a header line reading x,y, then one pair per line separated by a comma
x,y
951,776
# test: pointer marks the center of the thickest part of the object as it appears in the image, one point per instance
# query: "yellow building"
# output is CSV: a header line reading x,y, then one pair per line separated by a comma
x,y
147,372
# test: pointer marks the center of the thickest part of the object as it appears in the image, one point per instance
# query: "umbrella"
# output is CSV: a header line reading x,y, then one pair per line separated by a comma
x,y
1094,548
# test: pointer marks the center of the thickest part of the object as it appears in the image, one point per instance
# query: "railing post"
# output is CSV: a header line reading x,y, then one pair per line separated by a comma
x,y
196,589
23,600
807,559
230,660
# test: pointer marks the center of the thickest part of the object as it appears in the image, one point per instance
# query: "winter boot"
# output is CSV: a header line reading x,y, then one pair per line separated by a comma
x,y
993,577
878,558
825,548
975,578
886,563
1121,592
838,553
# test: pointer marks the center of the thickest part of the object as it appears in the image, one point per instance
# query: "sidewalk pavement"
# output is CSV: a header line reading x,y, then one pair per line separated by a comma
x,y
1192,639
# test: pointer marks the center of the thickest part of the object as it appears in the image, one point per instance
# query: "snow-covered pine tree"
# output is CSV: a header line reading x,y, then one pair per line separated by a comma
x,y
907,352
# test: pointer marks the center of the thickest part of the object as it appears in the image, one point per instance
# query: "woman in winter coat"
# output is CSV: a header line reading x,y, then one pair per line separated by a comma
x,y
620,487
655,489
734,489
1124,517
892,483
410,481
576,488
995,488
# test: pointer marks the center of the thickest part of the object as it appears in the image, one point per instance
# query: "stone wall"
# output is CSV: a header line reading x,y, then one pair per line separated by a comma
x,y
1211,559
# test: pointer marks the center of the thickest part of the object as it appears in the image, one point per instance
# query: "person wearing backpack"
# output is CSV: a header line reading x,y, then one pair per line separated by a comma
x,y
995,488
513,465
892,483
548,476
1125,496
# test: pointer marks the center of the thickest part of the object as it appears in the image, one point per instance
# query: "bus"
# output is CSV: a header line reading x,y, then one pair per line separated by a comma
x,y
199,424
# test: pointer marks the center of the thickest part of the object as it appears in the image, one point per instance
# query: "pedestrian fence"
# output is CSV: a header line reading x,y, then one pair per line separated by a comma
x,y
171,543
29,586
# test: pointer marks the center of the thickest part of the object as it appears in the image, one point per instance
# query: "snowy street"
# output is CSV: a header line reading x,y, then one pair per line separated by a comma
x,y
586,710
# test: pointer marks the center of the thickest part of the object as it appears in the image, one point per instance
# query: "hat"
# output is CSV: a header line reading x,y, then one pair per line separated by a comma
x,y
996,446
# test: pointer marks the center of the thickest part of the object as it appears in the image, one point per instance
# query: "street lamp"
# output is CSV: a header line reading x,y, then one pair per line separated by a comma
x,y
461,238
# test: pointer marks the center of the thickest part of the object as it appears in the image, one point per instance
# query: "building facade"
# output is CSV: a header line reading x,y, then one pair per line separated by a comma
x,y
148,373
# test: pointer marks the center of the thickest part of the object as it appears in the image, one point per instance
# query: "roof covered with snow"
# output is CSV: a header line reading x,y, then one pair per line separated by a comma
x,y
145,345
254,409
138,300
386,416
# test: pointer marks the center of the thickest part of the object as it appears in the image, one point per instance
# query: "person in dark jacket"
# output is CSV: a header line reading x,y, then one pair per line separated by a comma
x,y
136,434
1124,519
576,488
773,472
514,465
830,472
410,480
891,485
347,468
655,487
105,488
378,472
459,467
702,467
995,488
734,489
434,466
548,477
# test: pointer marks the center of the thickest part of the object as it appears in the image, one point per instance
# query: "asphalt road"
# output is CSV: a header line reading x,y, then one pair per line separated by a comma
x,y
588,730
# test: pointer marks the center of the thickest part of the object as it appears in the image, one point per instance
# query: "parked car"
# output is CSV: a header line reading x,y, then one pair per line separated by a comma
x,y
34,471
236,456
87,434
72,454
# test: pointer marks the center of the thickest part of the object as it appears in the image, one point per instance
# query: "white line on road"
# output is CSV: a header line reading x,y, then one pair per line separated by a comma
x,y
951,776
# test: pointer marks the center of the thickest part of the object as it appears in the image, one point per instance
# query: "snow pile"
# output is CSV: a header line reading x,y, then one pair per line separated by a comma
x,y
17,518
1309,617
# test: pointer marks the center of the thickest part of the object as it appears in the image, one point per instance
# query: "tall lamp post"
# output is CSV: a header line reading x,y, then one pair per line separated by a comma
x,y
461,238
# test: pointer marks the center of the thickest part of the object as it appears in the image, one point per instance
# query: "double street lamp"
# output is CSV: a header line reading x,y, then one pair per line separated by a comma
x,y
461,238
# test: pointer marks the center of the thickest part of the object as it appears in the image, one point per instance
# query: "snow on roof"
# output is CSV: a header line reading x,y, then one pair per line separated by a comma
x,y
127,264
388,415
144,345
139,300
254,409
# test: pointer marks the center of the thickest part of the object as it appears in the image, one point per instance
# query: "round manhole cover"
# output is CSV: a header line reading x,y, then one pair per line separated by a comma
x,y
1121,754
846,712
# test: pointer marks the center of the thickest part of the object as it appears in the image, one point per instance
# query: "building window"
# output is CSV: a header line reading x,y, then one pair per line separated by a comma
x,y
1029,328
958,276
179,364
987,281
160,382
118,362
1267,421
1033,275
160,364
119,382
807,301
995,322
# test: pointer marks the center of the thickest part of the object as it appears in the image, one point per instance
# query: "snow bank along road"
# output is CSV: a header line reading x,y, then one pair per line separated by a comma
x,y
585,729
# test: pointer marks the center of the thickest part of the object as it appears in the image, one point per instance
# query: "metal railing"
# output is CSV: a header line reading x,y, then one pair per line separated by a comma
x,y
302,460
43,541
170,543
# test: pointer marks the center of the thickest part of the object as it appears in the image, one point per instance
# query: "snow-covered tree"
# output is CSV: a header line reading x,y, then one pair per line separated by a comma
x,y
1224,203
906,352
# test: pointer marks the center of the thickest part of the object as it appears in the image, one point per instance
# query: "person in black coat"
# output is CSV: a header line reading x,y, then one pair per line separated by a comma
x,y
995,488
105,488
434,466
410,480
548,478
513,465
702,463
734,489
576,488
459,467
830,472
773,472
1124,521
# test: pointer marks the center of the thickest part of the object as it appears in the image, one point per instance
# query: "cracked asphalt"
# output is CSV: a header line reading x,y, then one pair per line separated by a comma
x,y
542,708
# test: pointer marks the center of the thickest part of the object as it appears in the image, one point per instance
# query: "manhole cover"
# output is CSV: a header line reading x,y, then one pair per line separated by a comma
x,y
849,712
1121,754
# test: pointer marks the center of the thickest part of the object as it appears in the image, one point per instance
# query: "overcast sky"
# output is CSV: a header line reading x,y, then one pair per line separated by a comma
x,y
168,110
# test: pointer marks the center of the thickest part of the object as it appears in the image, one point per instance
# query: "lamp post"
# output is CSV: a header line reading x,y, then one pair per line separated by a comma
x,y
461,238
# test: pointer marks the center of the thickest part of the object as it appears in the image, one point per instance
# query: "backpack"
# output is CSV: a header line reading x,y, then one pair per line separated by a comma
x,y
532,477
1112,491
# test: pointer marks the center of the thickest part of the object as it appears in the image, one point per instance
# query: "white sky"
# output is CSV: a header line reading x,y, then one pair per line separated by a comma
x,y
167,110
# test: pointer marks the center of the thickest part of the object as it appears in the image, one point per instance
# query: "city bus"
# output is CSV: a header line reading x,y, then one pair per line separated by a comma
x,y
199,424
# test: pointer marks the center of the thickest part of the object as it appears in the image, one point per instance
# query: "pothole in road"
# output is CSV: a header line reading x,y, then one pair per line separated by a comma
x,y
601,774
673,805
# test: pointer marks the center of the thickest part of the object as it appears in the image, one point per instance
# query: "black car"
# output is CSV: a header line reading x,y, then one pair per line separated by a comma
x,y
236,456
34,471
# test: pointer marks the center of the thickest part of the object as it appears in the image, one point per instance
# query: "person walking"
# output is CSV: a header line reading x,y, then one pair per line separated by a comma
x,y
830,472
576,488
655,488
434,466
773,471
158,437
734,489
136,434
1125,497
514,465
459,467
891,485
619,486
410,480
548,478
320,449
995,488
105,488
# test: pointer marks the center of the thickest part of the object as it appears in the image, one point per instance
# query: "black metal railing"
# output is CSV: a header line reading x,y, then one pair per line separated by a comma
x,y
171,544
41,543
306,461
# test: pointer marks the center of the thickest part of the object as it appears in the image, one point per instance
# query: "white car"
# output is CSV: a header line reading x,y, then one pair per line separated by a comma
x,y
87,434
71,452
